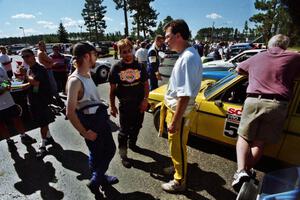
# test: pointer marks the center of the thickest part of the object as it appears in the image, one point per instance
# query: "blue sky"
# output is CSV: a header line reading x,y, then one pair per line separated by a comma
x,y
43,16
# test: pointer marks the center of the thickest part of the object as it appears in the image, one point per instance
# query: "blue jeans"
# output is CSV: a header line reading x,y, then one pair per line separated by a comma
x,y
103,149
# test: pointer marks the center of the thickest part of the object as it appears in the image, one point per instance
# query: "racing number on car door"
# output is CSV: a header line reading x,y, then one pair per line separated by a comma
x,y
232,122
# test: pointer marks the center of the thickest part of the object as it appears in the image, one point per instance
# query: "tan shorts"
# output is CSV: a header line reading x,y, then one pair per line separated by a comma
x,y
263,119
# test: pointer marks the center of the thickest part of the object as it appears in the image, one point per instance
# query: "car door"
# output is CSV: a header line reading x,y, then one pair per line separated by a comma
x,y
218,116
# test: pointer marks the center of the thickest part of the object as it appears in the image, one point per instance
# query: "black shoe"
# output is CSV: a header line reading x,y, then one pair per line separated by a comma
x,y
26,139
40,154
49,141
126,163
96,189
111,180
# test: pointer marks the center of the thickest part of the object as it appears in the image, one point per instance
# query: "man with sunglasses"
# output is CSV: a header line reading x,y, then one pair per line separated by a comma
x,y
129,82
39,99
88,114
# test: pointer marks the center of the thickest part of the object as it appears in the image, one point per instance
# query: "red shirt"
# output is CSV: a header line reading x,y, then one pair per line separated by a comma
x,y
272,71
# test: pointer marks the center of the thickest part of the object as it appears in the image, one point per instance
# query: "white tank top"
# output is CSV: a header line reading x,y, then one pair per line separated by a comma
x,y
90,93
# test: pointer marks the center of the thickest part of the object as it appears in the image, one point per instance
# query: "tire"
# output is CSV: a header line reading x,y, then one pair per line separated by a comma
x,y
102,74
156,121
248,191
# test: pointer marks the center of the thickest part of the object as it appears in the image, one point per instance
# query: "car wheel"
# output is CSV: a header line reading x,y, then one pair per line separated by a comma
x,y
156,120
102,74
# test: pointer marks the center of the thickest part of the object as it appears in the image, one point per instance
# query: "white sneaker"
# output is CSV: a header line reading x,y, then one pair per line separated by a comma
x,y
173,186
239,178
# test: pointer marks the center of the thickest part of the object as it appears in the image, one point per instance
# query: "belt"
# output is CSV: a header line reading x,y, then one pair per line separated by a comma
x,y
268,96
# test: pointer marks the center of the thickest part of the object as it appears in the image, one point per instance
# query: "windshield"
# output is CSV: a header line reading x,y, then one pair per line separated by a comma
x,y
214,87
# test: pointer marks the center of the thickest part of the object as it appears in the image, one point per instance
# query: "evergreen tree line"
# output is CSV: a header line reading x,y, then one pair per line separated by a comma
x,y
274,16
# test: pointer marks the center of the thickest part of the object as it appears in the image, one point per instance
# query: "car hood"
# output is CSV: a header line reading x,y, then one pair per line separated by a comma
x,y
218,63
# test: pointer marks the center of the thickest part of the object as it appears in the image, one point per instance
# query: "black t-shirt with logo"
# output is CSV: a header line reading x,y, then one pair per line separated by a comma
x,y
130,79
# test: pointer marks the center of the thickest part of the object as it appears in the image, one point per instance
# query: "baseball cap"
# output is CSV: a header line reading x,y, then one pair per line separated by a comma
x,y
82,48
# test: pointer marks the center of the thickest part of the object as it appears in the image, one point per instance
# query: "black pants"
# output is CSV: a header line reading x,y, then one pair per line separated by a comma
x,y
153,81
103,149
61,80
131,120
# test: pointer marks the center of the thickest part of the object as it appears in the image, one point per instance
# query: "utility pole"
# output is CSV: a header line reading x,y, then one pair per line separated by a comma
x,y
212,31
21,27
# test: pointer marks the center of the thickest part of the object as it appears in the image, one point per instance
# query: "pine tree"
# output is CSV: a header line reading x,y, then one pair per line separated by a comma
x,y
93,14
144,16
62,33
124,5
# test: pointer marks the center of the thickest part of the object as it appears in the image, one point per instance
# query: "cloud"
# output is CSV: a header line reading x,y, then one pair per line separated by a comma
x,y
23,16
213,16
71,23
47,24
107,19
7,23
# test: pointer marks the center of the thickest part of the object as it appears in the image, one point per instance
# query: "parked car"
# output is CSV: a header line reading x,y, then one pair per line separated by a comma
x,y
232,62
239,48
169,59
218,113
101,71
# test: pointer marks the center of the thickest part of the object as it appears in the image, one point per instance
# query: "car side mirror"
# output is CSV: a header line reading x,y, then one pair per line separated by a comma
x,y
219,103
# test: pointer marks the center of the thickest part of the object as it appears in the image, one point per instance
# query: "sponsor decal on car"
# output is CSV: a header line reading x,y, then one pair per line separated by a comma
x,y
232,122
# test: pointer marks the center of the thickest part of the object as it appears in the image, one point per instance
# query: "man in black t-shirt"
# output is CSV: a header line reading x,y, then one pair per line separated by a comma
x,y
129,83
39,99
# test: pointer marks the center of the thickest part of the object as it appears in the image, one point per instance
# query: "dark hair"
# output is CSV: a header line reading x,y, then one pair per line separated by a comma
x,y
82,48
27,50
179,26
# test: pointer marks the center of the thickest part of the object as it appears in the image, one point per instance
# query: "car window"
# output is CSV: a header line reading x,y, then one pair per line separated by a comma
x,y
236,94
214,87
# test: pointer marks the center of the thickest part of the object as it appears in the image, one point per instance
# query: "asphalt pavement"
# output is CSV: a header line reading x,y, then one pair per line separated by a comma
x,y
64,173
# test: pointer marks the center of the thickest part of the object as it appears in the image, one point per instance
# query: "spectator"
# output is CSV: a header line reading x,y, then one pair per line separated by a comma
x,y
9,114
39,99
141,55
47,62
88,114
129,82
154,61
115,46
199,47
5,61
179,101
271,74
59,68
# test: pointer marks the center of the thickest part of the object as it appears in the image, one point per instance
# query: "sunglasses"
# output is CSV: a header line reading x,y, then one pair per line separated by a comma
x,y
26,56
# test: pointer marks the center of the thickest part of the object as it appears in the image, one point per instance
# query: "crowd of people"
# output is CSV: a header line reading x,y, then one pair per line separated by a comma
x,y
271,75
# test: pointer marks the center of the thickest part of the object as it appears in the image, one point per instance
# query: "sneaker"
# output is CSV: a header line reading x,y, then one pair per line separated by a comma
x,y
252,173
41,152
49,141
239,178
26,139
173,186
126,163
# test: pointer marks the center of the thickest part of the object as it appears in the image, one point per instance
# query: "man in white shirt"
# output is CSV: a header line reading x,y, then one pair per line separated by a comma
x,y
183,87
141,55
5,61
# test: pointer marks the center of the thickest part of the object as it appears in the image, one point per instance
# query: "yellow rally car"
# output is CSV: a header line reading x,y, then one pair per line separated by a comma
x,y
219,108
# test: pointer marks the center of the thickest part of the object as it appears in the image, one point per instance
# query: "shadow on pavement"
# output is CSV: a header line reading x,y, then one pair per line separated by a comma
x,y
266,164
198,180
113,194
72,160
35,175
